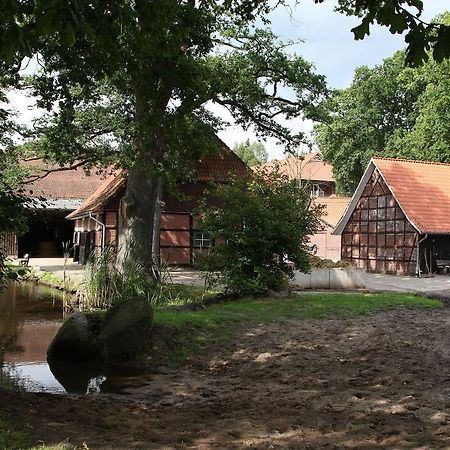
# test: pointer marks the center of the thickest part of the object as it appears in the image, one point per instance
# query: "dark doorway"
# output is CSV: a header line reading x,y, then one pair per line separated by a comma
x,y
47,231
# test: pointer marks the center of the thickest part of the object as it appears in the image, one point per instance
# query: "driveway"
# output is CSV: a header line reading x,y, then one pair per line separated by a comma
x,y
437,286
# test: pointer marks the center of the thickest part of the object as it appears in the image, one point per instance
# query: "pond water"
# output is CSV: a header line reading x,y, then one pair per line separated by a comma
x,y
30,316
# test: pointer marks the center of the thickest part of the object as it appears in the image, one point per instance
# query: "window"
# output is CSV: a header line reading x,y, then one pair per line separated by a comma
x,y
201,239
316,191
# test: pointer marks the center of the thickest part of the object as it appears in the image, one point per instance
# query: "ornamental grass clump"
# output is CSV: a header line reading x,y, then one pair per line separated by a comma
x,y
103,285
261,230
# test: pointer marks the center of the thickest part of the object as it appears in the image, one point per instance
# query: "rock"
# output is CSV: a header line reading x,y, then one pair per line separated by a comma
x,y
76,339
126,329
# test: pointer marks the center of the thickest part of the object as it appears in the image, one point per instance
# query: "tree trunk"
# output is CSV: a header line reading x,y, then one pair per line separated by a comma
x,y
137,221
140,208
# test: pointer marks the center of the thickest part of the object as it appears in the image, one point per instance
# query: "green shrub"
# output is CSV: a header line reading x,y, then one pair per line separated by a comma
x,y
261,232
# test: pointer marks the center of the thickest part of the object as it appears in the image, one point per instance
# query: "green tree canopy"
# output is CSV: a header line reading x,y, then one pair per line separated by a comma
x,y
130,82
388,110
252,153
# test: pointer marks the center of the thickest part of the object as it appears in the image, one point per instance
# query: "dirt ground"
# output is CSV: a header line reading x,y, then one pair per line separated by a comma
x,y
381,381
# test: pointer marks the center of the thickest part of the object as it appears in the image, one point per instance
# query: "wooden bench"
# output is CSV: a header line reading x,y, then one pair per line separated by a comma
x,y
25,260
443,264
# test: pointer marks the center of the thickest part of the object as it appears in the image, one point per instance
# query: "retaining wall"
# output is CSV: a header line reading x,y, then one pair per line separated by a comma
x,y
330,279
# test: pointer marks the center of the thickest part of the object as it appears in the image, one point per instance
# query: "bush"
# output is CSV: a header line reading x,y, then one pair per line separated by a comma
x,y
261,232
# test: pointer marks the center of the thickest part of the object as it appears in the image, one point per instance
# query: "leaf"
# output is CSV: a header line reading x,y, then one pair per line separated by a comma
x,y
441,48
362,30
68,37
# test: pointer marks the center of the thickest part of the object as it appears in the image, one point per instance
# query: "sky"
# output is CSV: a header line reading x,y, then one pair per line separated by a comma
x,y
328,43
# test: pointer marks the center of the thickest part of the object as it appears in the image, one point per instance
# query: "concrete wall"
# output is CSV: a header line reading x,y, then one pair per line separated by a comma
x,y
330,279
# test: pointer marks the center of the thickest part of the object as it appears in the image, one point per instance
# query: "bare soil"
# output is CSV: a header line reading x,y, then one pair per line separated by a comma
x,y
381,381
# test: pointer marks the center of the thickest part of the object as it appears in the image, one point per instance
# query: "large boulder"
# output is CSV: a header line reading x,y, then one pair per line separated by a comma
x,y
126,329
76,339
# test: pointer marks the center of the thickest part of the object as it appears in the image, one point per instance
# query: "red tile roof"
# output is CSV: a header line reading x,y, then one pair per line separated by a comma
x,y
422,189
215,167
335,208
101,195
306,167
62,184
218,166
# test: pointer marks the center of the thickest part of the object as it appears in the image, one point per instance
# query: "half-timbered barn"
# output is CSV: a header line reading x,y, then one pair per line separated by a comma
x,y
97,219
398,220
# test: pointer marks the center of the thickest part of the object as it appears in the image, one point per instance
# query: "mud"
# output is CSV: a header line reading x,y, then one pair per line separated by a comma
x,y
381,381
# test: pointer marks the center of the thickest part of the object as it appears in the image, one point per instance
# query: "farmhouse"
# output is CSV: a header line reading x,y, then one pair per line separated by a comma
x,y
55,191
309,168
97,219
398,220
326,244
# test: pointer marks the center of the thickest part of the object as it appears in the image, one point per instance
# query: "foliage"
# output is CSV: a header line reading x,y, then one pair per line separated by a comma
x,y
25,24
179,334
389,110
401,16
362,117
252,153
127,82
261,229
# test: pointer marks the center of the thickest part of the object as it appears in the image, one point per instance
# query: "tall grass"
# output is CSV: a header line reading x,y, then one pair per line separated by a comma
x,y
103,285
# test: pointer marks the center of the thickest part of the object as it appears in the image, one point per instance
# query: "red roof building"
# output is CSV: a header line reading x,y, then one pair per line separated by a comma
x,y
309,167
97,224
56,191
326,244
398,220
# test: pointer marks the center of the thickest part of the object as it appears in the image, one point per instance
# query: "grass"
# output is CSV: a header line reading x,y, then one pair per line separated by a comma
x,y
50,279
13,438
180,334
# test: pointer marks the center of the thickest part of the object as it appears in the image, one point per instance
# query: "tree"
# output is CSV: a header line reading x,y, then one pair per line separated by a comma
x,y
363,116
252,153
389,110
429,136
23,24
128,83
261,229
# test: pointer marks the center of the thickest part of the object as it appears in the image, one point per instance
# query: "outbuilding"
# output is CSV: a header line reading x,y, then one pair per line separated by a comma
x,y
97,223
398,220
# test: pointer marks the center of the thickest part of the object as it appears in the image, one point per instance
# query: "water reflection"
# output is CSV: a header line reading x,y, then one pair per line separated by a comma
x,y
30,316
77,378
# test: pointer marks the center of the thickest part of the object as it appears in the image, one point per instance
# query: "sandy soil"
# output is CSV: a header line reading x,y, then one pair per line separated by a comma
x,y
374,382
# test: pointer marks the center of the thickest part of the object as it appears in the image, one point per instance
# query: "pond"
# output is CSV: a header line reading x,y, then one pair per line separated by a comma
x,y
30,316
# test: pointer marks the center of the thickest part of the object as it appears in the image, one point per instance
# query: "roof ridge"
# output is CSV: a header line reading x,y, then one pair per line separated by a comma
x,y
418,161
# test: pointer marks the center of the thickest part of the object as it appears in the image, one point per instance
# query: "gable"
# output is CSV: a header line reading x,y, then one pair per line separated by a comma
x,y
371,183
422,189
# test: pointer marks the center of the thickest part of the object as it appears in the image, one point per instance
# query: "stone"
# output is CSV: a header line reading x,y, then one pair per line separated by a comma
x,y
76,339
126,330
